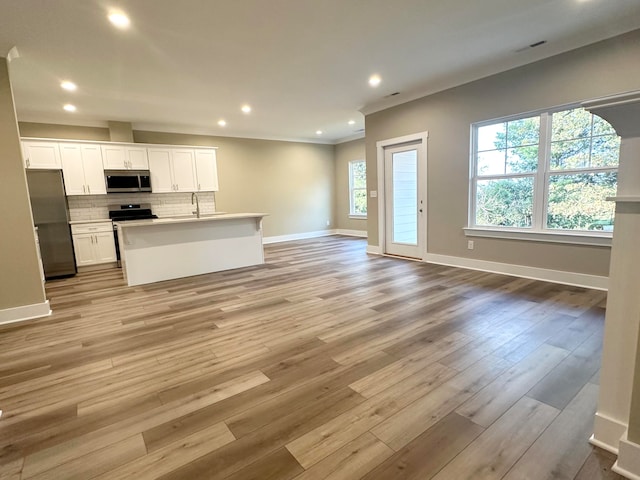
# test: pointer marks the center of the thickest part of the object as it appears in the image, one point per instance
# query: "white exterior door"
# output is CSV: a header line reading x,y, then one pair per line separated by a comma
x,y
404,205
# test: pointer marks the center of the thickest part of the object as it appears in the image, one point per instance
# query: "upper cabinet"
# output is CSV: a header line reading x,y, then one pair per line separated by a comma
x,y
206,170
82,169
41,154
172,170
124,157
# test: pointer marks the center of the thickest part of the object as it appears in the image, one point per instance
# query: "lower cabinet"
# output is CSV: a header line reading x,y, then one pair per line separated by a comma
x,y
93,243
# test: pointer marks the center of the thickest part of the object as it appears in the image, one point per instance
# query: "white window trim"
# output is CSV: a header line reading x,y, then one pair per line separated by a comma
x,y
539,232
352,215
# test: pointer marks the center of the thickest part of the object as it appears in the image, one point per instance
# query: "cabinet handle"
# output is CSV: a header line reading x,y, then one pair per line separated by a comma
x,y
84,189
91,237
28,163
198,186
89,188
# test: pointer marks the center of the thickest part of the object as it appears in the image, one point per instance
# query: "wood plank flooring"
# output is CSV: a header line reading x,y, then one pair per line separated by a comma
x,y
324,363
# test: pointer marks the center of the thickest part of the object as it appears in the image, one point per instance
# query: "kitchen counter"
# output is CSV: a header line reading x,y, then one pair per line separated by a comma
x,y
75,222
167,248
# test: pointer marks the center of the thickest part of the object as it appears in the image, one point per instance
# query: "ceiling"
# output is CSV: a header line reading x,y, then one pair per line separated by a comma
x,y
302,65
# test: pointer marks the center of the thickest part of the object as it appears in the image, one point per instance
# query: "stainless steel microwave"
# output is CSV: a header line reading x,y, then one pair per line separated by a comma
x,y
127,181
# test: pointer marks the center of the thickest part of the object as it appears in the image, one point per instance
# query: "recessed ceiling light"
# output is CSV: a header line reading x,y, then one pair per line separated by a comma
x,y
374,80
246,109
318,132
70,108
222,123
352,122
119,20
67,85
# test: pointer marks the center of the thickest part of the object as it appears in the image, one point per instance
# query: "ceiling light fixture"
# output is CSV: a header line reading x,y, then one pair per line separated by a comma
x,y
318,132
70,86
119,20
352,122
70,108
222,123
374,80
246,109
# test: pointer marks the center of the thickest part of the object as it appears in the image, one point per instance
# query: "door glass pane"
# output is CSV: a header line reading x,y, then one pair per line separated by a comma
x,y
405,197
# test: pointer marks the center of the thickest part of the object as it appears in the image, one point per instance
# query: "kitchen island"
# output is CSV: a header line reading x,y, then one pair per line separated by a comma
x,y
168,248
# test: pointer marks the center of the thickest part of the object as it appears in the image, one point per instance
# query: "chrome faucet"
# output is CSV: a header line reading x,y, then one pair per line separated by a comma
x,y
197,212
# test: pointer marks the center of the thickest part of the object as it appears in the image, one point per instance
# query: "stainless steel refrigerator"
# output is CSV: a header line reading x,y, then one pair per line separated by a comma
x,y
51,216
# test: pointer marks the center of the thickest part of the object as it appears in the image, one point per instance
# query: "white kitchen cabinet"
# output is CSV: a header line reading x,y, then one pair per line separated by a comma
x,y
172,170
206,170
124,157
41,154
82,169
93,243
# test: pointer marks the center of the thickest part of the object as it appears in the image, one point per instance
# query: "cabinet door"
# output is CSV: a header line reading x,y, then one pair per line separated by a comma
x,y
41,155
105,247
114,157
72,169
206,171
184,171
83,245
93,171
160,168
137,158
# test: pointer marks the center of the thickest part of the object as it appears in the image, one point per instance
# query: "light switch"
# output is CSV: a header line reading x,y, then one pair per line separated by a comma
x,y
373,193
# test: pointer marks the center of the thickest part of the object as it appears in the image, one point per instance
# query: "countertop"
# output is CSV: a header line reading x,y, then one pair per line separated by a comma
x,y
212,217
76,222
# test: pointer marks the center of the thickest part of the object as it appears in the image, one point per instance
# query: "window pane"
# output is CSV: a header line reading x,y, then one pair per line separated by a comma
x,y
525,131
506,202
358,174
491,162
570,124
602,127
605,151
570,154
577,202
492,137
359,202
522,159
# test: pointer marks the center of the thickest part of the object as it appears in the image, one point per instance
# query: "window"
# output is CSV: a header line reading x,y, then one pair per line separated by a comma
x,y
546,172
357,188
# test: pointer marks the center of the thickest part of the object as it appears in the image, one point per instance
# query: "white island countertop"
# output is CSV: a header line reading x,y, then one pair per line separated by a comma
x,y
210,217
165,248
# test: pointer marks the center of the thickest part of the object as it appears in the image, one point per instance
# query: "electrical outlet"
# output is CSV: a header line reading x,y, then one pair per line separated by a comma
x,y
373,193
328,223
470,245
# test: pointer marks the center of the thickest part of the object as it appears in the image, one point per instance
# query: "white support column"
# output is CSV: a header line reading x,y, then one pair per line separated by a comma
x,y
615,417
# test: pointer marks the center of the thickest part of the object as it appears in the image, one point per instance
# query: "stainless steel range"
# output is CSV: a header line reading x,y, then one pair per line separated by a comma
x,y
127,212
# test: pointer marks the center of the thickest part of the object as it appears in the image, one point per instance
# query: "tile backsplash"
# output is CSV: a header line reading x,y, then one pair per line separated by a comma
x,y
96,207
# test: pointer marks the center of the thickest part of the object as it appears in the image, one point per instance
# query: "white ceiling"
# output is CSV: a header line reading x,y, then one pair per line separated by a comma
x,y
302,65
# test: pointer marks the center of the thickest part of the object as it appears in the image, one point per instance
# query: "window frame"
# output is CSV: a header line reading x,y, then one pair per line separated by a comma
x,y
539,231
352,190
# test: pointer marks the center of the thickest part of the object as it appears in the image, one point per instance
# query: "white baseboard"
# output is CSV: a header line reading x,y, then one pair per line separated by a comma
x,y
534,273
297,236
628,463
374,250
352,233
607,433
25,312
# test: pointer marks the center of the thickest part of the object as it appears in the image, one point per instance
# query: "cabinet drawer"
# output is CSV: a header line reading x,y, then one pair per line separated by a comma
x,y
91,227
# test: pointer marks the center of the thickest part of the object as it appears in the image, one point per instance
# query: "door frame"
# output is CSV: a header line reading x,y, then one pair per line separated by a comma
x,y
422,186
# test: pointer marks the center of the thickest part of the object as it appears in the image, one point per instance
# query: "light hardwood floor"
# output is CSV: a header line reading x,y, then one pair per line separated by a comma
x,y
325,363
